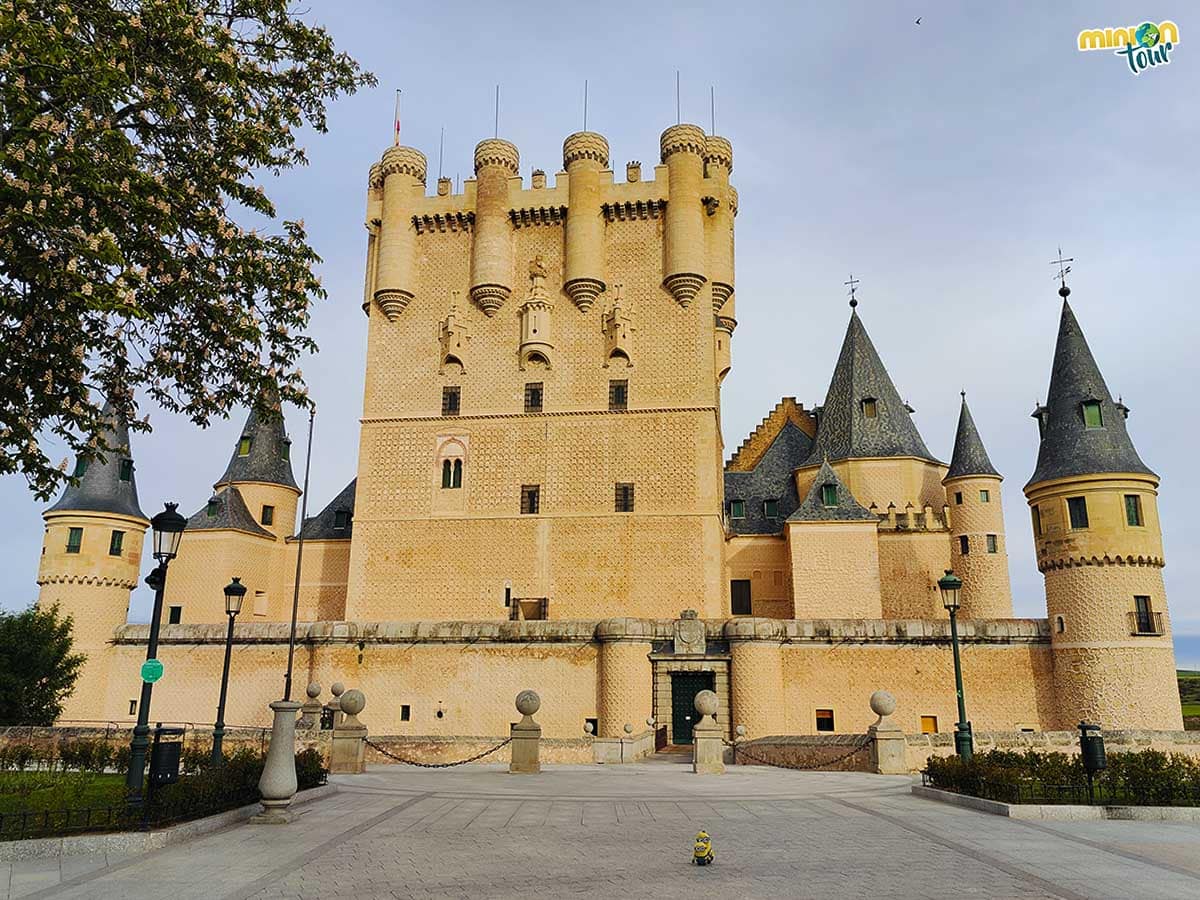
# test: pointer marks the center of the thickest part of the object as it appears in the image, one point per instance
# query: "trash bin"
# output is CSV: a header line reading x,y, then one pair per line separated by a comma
x,y
1091,748
164,756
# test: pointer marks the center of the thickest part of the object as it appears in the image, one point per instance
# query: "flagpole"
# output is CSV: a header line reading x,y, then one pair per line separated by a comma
x,y
396,138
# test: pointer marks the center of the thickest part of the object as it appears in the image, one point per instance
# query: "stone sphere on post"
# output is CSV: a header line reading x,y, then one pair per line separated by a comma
x,y
740,731
353,701
883,704
706,703
313,690
629,728
337,689
528,702
588,728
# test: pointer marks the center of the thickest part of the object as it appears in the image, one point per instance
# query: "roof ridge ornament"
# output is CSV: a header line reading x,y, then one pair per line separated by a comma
x,y
1063,271
853,284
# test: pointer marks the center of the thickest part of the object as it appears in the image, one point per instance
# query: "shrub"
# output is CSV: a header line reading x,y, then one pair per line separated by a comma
x,y
310,769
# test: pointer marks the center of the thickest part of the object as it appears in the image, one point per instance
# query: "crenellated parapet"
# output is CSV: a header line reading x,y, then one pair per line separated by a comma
x,y
401,161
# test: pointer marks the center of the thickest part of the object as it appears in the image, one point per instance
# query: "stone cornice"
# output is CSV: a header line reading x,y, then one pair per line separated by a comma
x,y
537,215
633,209
1070,562
453,221
96,580
386,420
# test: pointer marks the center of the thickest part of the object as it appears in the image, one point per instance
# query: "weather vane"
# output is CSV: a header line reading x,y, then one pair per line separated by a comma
x,y
853,283
1063,269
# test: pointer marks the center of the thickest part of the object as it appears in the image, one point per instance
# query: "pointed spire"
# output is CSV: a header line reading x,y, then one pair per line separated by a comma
x,y
108,484
863,414
970,457
1083,430
262,453
828,487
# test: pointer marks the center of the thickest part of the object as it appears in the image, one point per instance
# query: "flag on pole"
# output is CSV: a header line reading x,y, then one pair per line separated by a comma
x,y
397,135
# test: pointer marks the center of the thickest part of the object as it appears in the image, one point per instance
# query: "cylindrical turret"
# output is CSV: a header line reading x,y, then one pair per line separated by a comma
x,y
372,223
402,174
723,344
585,155
718,165
756,675
682,149
496,161
978,548
626,689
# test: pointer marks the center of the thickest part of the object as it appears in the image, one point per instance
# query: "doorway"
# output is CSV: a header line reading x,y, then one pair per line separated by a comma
x,y
684,688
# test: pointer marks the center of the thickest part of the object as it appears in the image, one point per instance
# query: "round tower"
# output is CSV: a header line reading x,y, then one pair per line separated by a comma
x,y
1099,548
682,148
496,161
397,182
626,685
978,550
585,156
720,206
91,556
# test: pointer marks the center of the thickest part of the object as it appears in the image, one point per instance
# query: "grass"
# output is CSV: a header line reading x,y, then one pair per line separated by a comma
x,y
38,791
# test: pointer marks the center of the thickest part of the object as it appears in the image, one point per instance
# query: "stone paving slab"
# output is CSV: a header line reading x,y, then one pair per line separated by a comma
x,y
604,831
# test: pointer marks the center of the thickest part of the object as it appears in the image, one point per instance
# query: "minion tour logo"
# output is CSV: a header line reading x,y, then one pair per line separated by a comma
x,y
1144,46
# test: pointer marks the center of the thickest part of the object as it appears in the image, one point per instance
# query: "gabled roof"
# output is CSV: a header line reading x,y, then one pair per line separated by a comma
x,y
321,526
813,509
844,431
269,457
771,479
229,511
1068,446
100,488
752,449
970,457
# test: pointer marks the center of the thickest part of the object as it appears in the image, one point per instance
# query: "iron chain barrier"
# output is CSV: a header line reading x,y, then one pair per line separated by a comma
x,y
428,765
863,743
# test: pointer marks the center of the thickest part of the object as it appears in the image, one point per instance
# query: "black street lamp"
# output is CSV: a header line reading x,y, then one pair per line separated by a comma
x,y
235,592
168,528
951,585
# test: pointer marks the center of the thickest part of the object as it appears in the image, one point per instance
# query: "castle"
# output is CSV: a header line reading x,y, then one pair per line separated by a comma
x,y
542,502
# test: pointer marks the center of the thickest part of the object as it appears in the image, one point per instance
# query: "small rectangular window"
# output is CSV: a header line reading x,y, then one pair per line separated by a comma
x,y
958,498
214,507
985,496
268,515
928,724
771,509
244,446
127,470
624,498
80,467
174,615
530,499
739,596
74,540
1092,417
341,520
1143,615
451,397
964,544
115,542
533,397
1037,520
829,495
260,603
992,544
133,707
285,450
870,409
618,394
737,509
405,712
1133,509
1077,509
824,720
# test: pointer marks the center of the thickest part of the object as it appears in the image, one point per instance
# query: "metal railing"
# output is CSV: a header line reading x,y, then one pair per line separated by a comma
x,y
1103,793
1145,623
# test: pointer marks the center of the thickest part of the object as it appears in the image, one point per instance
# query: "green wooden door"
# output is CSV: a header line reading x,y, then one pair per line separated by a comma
x,y
684,688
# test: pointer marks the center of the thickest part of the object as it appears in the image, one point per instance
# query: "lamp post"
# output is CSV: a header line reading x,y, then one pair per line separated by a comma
x,y
235,592
168,528
951,585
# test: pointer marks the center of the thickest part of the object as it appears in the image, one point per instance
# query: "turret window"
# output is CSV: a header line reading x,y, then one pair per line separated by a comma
x,y
115,543
1037,520
985,496
127,470
993,544
214,507
964,544
1092,416
74,540
268,515
285,450
870,407
244,446
771,509
80,467
174,615
737,509
1133,509
1077,510
958,498
829,495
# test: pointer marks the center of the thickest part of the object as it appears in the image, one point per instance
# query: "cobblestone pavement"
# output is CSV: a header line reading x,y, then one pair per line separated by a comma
x,y
609,831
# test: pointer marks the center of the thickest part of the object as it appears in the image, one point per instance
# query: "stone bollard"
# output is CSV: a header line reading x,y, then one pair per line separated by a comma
x,y
708,752
333,708
889,749
310,712
278,782
349,737
526,736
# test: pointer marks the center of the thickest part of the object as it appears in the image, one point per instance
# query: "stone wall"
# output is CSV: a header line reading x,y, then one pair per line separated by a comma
x,y
818,752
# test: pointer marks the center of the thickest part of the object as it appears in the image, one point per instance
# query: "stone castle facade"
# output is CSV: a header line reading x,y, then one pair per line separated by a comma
x,y
541,494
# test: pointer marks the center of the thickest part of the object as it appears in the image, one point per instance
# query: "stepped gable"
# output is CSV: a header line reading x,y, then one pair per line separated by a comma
x,y
844,430
847,509
970,456
100,488
1070,448
323,526
228,511
770,479
269,459
751,450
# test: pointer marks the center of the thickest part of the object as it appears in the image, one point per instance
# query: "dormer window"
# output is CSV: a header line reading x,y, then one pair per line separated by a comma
x,y
829,495
341,520
737,509
285,450
870,407
80,467
771,509
244,445
127,470
1092,416
214,506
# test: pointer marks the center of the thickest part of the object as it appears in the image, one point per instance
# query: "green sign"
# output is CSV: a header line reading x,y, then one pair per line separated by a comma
x,y
152,670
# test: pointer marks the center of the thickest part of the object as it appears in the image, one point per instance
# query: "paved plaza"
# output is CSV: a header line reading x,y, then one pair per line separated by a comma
x,y
577,831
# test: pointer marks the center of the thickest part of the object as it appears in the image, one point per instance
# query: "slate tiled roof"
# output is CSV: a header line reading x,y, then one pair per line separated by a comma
x,y
267,460
970,457
813,508
321,527
1068,447
230,512
100,488
843,429
770,479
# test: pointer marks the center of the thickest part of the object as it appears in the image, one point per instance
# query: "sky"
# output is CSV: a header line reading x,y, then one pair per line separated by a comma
x,y
942,164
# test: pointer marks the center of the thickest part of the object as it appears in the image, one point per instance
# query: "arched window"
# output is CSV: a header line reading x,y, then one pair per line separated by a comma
x,y
446,473
456,479
452,472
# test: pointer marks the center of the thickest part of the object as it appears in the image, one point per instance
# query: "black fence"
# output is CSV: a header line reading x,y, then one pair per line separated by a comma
x,y
1102,793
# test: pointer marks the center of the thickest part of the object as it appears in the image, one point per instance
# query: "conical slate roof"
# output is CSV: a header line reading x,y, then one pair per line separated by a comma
x,y
970,457
101,488
844,430
226,509
268,459
813,509
1069,447
323,526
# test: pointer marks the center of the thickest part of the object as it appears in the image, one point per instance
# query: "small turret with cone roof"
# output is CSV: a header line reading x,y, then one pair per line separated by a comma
x,y
978,546
1099,547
